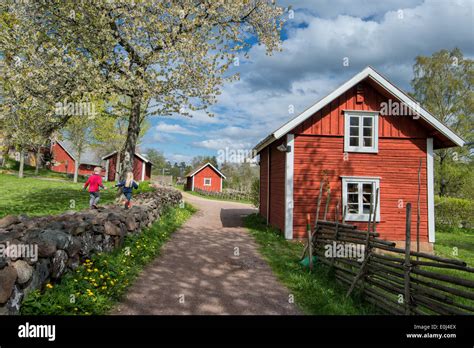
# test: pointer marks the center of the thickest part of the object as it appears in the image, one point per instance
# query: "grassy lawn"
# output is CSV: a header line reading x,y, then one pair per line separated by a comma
x,y
97,285
456,243
315,293
36,196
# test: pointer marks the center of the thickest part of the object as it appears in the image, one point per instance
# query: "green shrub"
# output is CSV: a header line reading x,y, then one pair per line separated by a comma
x,y
255,192
454,212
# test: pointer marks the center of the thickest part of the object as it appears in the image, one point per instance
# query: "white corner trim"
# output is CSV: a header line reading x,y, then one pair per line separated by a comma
x,y
221,184
107,170
430,189
268,185
289,172
143,170
192,185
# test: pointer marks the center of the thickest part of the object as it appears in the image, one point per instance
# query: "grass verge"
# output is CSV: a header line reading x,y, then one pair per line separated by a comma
x,y
101,281
316,292
33,196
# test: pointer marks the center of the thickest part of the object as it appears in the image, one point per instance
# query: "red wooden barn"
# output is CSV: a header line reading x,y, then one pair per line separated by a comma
x,y
206,178
63,159
141,167
366,134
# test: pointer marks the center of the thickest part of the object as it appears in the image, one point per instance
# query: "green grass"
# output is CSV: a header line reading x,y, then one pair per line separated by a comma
x,y
455,243
316,292
100,282
34,196
12,167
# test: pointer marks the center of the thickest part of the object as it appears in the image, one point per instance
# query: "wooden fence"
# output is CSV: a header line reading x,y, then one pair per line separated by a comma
x,y
227,195
396,280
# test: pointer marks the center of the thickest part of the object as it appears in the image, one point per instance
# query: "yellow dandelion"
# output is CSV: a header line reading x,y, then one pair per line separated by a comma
x,y
49,286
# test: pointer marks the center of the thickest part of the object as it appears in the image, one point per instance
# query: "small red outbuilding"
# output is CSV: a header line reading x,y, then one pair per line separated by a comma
x,y
141,167
205,178
64,160
365,137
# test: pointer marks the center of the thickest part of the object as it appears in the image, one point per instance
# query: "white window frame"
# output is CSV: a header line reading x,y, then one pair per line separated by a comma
x,y
210,181
375,132
360,180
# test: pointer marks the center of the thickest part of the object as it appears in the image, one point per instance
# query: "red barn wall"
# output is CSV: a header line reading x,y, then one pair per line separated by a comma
x,y
148,171
60,156
207,172
319,150
396,164
137,168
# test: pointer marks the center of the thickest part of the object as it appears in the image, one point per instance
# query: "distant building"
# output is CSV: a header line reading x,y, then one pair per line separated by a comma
x,y
206,178
141,167
64,160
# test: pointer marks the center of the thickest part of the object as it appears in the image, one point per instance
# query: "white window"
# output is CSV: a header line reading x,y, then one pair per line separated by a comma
x,y
361,131
207,181
357,193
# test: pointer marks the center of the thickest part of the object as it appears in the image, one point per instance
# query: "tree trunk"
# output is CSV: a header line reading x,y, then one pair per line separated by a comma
x,y
132,135
22,163
77,163
117,166
37,160
442,180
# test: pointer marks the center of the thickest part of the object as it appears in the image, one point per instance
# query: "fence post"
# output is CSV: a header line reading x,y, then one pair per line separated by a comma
x,y
407,264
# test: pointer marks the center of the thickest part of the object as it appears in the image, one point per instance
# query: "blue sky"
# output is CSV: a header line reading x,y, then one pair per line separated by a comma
x,y
387,35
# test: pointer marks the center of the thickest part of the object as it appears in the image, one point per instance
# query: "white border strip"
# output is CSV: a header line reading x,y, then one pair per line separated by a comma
x,y
289,172
430,189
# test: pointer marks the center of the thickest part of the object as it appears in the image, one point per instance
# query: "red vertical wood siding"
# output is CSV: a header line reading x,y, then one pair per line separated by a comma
x,y
207,172
137,168
277,186
319,151
60,156
396,164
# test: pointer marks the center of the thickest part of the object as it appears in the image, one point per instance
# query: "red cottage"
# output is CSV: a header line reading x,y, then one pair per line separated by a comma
x,y
367,134
63,160
206,178
141,167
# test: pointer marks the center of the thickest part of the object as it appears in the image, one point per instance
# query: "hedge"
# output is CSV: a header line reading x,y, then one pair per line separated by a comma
x,y
454,212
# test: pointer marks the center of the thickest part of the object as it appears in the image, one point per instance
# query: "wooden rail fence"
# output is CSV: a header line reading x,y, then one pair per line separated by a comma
x,y
396,280
227,195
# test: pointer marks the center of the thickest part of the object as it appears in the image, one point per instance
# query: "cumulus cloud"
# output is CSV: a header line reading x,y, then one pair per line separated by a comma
x,y
387,35
173,129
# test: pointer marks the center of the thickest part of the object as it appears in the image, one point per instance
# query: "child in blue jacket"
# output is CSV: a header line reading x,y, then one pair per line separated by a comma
x,y
127,186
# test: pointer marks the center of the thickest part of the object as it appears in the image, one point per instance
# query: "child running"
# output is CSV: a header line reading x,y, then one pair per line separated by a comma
x,y
127,186
94,182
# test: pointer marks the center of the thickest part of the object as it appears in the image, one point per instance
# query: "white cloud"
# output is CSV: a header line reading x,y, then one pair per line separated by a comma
x,y
222,144
172,128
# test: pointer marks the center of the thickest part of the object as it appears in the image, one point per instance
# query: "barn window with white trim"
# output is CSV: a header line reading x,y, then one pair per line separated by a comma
x,y
207,181
358,193
360,133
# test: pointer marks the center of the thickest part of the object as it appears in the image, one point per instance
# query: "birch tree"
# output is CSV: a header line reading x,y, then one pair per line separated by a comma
x,y
444,84
173,55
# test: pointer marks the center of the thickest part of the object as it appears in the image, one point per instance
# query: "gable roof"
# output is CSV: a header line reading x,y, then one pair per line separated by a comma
x,y
89,155
142,157
204,166
368,72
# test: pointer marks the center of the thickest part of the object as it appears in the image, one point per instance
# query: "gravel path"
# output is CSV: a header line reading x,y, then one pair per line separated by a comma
x,y
199,271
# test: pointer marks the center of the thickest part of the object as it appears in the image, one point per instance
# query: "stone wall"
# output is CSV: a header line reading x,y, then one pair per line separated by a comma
x,y
37,250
